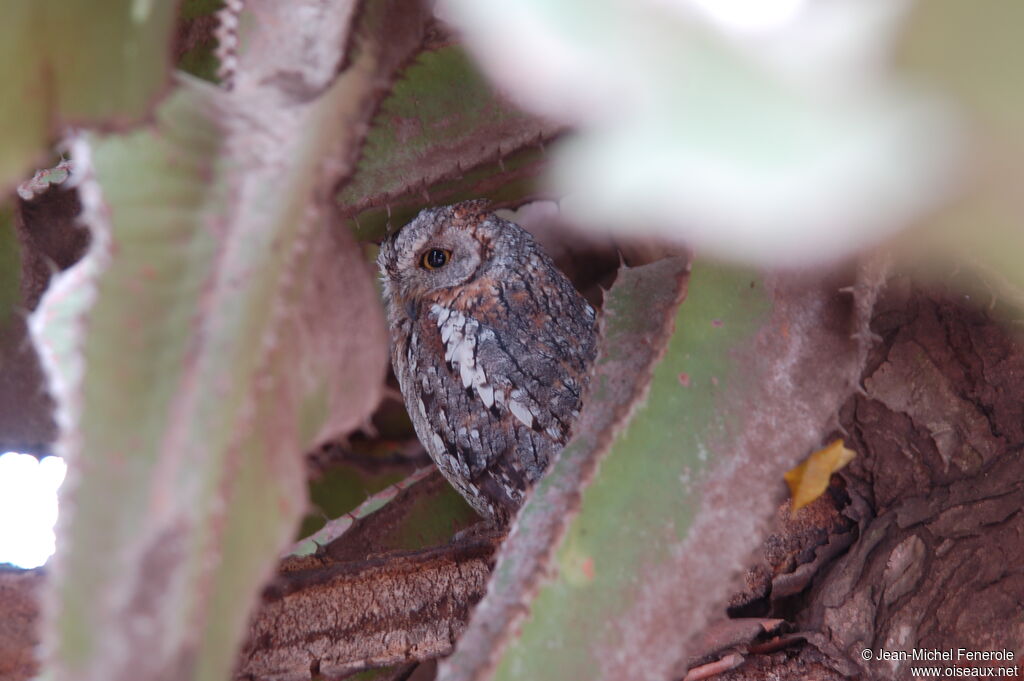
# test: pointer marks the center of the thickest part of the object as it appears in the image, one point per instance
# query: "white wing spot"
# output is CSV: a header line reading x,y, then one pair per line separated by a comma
x,y
521,412
460,336
465,357
442,313
486,393
438,443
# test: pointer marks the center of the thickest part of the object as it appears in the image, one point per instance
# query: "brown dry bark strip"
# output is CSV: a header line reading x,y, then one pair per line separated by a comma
x,y
388,609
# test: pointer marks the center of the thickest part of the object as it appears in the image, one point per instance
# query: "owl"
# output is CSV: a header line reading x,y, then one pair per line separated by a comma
x,y
491,345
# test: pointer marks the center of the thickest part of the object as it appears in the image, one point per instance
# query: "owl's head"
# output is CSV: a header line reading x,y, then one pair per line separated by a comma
x,y
442,248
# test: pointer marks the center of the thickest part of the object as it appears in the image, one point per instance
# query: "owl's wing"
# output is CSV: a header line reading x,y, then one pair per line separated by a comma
x,y
494,392
530,365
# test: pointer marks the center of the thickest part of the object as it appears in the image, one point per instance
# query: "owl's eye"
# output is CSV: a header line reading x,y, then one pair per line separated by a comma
x,y
435,258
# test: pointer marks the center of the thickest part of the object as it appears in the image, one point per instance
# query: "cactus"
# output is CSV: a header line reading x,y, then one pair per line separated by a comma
x,y
224,322
193,364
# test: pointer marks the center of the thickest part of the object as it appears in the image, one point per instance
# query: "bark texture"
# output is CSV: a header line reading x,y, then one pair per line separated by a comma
x,y
930,510
940,430
389,609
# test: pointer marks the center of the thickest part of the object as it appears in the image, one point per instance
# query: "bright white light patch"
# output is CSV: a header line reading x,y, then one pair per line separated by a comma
x,y
28,507
750,15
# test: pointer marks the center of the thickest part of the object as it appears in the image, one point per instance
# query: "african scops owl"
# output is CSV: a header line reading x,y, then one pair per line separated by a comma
x,y
491,345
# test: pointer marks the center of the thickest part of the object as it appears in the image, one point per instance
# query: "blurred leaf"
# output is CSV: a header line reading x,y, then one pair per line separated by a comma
x,y
810,479
675,119
229,324
968,54
77,61
643,527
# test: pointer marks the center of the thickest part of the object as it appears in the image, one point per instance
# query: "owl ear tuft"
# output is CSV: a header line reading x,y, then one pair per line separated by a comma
x,y
471,210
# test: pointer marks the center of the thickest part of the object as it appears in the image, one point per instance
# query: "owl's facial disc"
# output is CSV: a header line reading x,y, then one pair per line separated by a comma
x,y
430,255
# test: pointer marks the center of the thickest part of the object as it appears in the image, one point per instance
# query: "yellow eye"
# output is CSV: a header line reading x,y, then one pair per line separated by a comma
x,y
435,258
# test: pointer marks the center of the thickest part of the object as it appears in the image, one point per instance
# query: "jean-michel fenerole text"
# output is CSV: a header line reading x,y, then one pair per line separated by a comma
x,y
958,654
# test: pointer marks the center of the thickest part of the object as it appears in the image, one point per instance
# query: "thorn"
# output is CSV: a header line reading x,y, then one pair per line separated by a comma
x,y
622,260
501,163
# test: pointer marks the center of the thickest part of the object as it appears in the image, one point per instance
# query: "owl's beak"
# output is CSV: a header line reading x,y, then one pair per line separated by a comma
x,y
412,310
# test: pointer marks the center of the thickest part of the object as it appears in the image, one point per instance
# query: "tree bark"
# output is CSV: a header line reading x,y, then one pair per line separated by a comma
x,y
930,510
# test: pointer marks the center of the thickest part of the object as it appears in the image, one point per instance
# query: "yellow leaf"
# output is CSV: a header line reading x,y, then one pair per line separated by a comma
x,y
809,480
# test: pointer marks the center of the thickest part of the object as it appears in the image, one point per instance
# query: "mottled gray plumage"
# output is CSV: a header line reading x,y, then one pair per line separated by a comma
x,y
492,349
